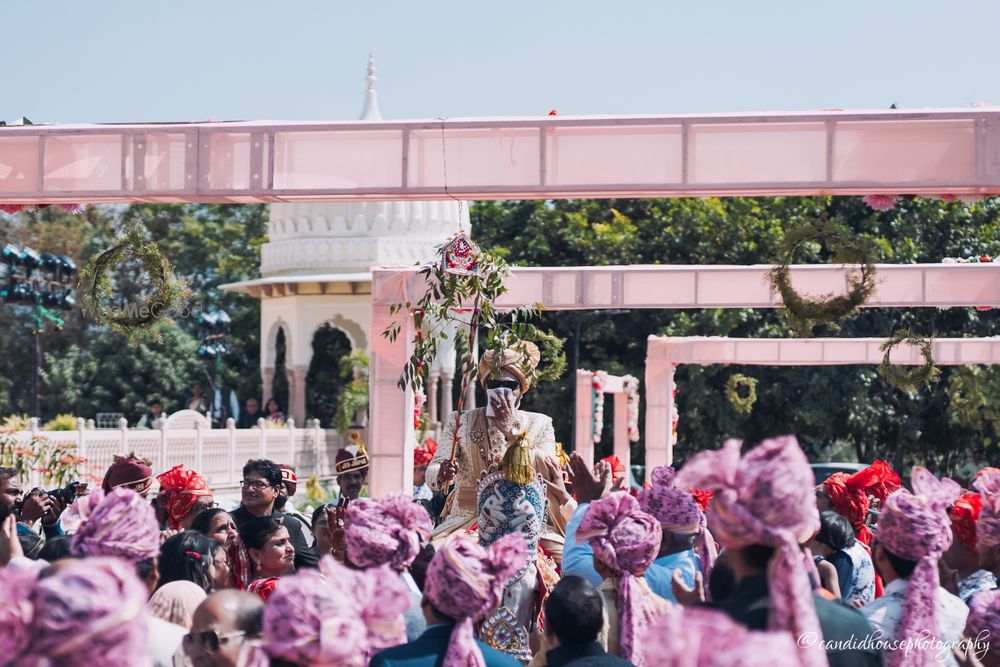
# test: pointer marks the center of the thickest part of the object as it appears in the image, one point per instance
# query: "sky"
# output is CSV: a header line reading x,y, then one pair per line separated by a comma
x,y
179,60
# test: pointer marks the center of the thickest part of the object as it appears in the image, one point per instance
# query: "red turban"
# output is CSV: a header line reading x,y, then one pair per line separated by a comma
x,y
849,494
129,472
964,515
617,467
288,478
701,496
423,455
183,488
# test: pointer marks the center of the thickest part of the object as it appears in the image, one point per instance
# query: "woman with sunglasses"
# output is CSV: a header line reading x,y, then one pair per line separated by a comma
x,y
271,553
500,436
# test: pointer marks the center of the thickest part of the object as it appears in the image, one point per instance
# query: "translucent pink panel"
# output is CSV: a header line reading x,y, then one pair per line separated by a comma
x,y
500,156
758,352
613,155
523,288
338,160
165,160
229,164
563,289
642,287
957,284
18,164
757,153
730,287
896,152
902,286
598,289
83,163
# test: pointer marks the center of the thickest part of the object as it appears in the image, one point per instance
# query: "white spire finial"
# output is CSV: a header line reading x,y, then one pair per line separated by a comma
x,y
370,110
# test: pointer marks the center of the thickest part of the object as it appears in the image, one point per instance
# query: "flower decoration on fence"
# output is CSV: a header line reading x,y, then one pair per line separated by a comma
x,y
167,298
465,279
56,463
742,402
888,202
598,381
17,208
675,422
805,313
881,202
908,379
632,391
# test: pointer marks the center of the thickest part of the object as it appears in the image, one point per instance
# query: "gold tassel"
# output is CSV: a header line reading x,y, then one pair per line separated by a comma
x,y
516,463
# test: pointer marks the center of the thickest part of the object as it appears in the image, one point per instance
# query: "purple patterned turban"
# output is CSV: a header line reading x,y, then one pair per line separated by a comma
x,y
391,530
465,582
307,623
91,613
916,526
984,619
626,540
380,597
15,610
678,512
987,483
120,524
766,497
690,637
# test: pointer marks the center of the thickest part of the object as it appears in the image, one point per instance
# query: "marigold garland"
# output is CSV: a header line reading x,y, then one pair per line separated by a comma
x,y
742,404
805,313
908,379
167,298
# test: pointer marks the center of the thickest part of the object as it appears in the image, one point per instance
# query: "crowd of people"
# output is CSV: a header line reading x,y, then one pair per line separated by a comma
x,y
247,417
533,557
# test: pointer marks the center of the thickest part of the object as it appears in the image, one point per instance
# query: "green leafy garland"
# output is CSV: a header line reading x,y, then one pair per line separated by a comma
x,y
169,291
449,294
805,313
908,379
742,404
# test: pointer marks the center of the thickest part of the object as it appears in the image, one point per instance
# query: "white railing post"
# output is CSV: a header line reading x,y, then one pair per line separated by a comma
x,y
90,424
231,427
123,431
34,477
290,425
81,440
199,444
317,432
161,425
262,450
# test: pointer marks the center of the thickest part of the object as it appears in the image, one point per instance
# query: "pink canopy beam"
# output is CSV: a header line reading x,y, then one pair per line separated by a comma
x,y
662,286
755,154
664,353
584,441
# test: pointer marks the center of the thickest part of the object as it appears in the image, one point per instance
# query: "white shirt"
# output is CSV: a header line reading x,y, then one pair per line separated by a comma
x,y
886,612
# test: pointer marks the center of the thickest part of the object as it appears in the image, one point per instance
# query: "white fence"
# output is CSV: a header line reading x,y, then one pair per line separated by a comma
x,y
217,454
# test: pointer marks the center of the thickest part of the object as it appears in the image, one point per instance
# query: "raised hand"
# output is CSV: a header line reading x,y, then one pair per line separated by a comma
x,y
447,472
10,546
685,596
588,486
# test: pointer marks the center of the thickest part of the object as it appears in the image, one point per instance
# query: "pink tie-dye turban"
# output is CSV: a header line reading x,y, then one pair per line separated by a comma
x,y
916,526
701,637
88,613
380,597
987,483
626,540
120,524
983,624
391,530
465,582
766,497
15,610
678,511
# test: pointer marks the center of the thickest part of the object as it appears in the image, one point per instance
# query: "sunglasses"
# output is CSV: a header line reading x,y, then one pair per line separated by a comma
x,y
209,641
503,384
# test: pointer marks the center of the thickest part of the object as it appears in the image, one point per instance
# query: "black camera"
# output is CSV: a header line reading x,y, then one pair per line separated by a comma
x,y
69,493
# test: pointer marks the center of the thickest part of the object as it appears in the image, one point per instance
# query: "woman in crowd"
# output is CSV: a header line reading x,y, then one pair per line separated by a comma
x,y
218,524
271,553
175,602
191,556
272,412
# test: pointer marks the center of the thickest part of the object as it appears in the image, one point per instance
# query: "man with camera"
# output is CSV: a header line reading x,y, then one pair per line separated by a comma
x,y
37,505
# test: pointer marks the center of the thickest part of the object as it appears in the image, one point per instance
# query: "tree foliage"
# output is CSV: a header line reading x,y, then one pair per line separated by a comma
x,y
827,407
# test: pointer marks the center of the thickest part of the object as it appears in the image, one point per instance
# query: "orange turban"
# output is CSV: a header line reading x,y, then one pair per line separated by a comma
x,y
964,514
849,494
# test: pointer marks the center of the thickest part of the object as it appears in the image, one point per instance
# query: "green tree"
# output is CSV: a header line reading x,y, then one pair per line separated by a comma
x,y
324,380
825,406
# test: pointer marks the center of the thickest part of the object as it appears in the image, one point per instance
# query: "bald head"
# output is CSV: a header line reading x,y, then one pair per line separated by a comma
x,y
233,616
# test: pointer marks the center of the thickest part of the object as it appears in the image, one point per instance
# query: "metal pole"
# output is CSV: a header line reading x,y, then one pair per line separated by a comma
x,y
36,385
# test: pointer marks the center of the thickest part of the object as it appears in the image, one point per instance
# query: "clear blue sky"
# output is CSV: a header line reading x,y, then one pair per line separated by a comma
x,y
95,60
